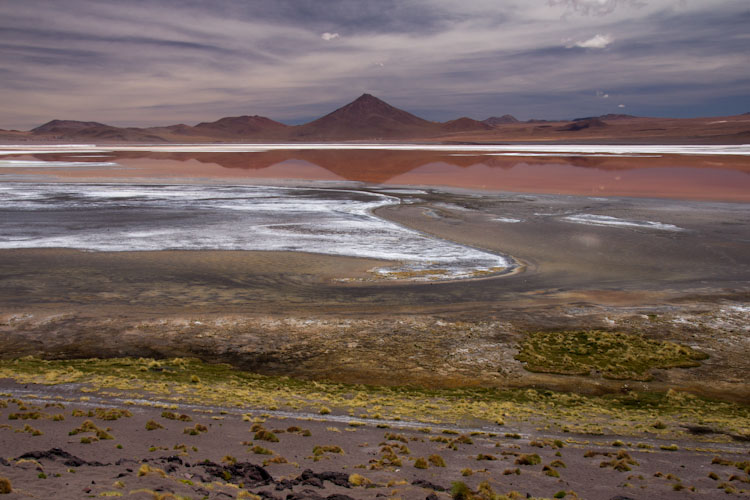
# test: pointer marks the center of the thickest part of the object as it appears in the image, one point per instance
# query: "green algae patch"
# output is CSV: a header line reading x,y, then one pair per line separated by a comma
x,y
613,354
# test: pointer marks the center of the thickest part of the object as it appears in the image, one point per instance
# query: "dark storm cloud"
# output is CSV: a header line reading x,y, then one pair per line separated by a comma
x,y
165,61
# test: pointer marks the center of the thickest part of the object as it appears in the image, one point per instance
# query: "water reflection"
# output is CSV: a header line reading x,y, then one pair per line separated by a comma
x,y
674,176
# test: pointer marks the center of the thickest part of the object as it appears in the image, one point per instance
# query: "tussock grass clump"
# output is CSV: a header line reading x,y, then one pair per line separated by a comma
x,y
320,450
259,450
549,471
263,435
436,460
32,415
174,416
486,456
420,463
90,427
529,459
146,469
390,436
616,355
5,486
358,480
195,430
103,413
152,426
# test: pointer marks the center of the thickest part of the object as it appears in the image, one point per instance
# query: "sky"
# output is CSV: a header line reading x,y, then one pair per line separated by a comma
x,y
161,62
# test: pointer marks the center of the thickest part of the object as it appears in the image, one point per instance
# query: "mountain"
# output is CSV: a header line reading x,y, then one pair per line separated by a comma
x,y
500,120
609,116
239,126
64,127
367,117
464,125
583,124
78,130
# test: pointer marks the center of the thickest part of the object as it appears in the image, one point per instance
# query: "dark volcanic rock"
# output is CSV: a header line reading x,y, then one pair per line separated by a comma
x,y
304,495
250,475
55,453
310,477
426,484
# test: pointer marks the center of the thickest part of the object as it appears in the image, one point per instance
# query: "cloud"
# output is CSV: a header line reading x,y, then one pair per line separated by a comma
x,y
439,58
598,41
595,7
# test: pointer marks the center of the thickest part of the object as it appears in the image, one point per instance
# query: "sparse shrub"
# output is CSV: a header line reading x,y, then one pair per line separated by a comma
x,y
195,430
264,435
669,447
483,456
325,411
275,460
713,476
466,472
532,459
390,436
508,472
320,450
436,460
512,435
420,463
459,491
173,416
259,450
550,471
559,494
229,459
618,443
152,426
358,480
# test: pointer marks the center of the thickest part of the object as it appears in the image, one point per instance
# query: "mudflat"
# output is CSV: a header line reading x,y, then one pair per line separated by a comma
x,y
611,360
671,269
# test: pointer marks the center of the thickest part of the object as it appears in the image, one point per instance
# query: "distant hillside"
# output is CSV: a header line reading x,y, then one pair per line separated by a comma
x,y
493,121
369,119
464,125
77,130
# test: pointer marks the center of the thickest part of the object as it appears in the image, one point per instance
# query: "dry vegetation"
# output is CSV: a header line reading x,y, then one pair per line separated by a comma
x,y
613,354
169,382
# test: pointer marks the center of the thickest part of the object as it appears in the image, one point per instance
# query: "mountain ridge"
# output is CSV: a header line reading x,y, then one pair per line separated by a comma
x,y
371,119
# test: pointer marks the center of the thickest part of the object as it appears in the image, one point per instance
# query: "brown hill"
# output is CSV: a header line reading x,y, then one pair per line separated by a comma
x,y
239,126
369,119
366,118
500,120
464,124
78,130
64,127
583,124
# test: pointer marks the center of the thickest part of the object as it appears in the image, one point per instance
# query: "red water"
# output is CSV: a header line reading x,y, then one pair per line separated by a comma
x,y
668,176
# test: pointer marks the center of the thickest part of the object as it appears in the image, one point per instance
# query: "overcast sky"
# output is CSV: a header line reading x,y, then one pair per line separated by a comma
x,y
149,62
